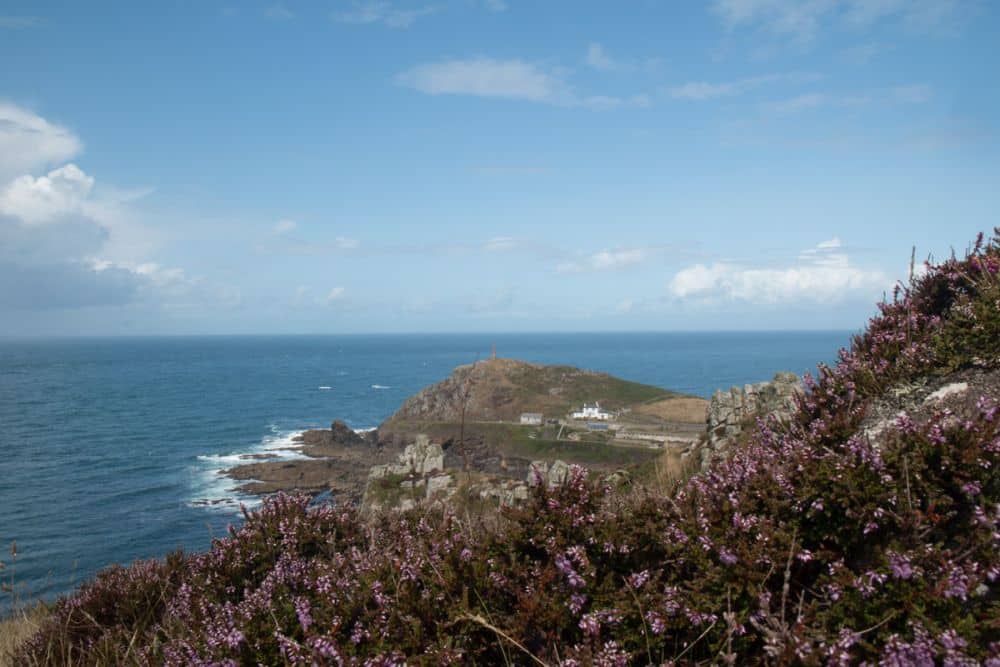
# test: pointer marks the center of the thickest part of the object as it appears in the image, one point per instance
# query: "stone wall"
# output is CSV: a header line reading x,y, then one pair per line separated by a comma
x,y
731,410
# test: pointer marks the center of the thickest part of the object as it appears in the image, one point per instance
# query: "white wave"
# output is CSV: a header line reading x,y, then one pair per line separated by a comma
x,y
368,429
380,386
210,488
224,458
324,388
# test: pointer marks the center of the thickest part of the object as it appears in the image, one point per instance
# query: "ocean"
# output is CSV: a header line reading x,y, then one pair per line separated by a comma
x,y
111,447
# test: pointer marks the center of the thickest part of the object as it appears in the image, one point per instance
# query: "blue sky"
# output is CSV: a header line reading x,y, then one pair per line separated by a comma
x,y
485,165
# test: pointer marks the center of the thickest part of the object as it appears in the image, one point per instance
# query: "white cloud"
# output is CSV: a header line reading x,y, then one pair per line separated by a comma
x,y
40,200
867,12
335,294
506,79
501,244
485,77
914,94
703,90
799,19
862,53
365,12
700,91
808,101
278,12
822,274
606,260
65,244
624,306
285,226
803,20
29,142
18,22
495,5
910,94
344,243
598,58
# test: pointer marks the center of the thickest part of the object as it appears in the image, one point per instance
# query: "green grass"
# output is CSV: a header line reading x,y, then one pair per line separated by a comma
x,y
580,387
516,440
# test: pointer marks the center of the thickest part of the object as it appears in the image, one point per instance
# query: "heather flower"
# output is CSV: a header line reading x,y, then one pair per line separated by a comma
x,y
590,625
639,579
900,566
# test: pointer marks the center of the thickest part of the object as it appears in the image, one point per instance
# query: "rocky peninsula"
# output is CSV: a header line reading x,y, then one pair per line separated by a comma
x,y
474,419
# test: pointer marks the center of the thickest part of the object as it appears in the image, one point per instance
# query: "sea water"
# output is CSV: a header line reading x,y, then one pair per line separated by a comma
x,y
111,448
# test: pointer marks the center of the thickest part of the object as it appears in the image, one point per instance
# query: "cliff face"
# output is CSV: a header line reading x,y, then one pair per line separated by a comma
x,y
502,389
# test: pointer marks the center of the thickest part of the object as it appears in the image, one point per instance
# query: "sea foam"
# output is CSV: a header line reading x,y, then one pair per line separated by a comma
x,y
213,489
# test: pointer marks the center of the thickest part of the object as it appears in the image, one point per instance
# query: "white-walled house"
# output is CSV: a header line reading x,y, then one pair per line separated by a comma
x,y
592,411
531,418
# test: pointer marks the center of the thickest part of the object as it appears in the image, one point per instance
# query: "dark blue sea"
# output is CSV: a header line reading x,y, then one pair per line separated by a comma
x,y
111,447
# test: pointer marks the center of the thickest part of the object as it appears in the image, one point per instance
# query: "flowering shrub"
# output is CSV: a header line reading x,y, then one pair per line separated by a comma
x,y
815,541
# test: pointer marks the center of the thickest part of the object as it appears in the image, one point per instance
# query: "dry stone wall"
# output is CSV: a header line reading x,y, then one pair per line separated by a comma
x,y
731,410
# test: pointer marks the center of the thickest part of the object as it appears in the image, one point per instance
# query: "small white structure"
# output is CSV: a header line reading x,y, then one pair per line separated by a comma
x,y
593,412
531,418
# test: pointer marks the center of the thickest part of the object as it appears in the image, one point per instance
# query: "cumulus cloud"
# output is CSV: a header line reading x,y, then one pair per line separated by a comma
x,y
383,12
821,274
40,200
606,260
66,244
29,142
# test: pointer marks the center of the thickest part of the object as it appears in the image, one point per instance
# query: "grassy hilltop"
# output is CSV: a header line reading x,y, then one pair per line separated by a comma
x,y
863,529
503,389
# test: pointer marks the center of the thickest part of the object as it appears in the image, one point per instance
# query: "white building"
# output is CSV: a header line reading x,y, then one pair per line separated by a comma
x,y
531,418
594,411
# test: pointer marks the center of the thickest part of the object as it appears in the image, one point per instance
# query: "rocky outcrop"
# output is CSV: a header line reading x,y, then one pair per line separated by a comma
x,y
920,399
417,475
541,473
421,458
730,411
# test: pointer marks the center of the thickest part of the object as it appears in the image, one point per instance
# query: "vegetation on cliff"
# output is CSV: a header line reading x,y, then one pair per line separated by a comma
x,y
841,535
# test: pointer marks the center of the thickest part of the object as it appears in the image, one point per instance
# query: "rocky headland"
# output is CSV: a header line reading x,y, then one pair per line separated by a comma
x,y
471,420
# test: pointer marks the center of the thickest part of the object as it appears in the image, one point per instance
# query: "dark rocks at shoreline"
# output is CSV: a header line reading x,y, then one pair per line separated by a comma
x,y
339,461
